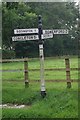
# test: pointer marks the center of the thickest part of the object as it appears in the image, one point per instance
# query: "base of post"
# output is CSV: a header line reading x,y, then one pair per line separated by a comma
x,y
43,93
68,84
26,84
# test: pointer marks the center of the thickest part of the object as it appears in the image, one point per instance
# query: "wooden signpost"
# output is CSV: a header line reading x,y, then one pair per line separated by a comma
x,y
37,34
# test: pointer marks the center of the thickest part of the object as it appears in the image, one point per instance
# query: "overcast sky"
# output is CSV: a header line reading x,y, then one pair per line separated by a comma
x,y
36,0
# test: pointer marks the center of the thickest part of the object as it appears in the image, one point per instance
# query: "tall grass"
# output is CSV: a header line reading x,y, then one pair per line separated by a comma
x,y
60,102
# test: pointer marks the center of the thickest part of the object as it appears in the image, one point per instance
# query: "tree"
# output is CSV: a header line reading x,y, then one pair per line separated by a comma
x,y
54,16
13,18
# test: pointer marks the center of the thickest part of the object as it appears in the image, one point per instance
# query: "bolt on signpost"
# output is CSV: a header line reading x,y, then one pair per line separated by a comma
x,y
40,32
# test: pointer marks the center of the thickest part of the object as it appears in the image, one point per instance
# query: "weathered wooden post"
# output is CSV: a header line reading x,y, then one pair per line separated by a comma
x,y
67,63
26,73
41,54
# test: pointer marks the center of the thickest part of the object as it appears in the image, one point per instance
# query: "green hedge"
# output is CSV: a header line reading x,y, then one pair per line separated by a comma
x,y
8,54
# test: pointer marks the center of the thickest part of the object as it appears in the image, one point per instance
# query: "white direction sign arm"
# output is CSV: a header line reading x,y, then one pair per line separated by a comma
x,y
60,31
35,30
31,37
46,36
26,31
47,31
56,31
24,38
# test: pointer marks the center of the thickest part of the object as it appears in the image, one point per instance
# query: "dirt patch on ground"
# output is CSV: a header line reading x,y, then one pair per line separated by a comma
x,y
14,106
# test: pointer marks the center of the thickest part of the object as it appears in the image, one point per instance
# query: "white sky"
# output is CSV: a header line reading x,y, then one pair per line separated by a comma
x,y
76,0
35,0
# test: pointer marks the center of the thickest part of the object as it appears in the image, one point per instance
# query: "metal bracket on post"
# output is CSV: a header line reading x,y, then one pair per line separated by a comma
x,y
43,91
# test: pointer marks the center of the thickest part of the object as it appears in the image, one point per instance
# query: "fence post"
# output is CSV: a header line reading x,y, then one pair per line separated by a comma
x,y
26,73
67,63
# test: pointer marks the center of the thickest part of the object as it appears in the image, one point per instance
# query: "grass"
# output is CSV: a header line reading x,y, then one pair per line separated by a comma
x,y
33,64
49,75
48,63
60,102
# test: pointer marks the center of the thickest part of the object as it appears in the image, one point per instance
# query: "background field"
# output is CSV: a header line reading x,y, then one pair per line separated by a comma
x,y
35,75
60,101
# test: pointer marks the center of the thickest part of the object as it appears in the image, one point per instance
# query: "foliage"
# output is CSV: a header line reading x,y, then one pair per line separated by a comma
x,y
8,54
54,16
